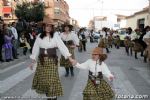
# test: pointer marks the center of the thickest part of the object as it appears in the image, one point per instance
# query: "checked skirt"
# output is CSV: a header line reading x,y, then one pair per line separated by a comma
x,y
46,79
65,62
100,92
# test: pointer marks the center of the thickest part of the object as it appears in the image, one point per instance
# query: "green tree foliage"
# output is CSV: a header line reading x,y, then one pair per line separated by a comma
x,y
30,11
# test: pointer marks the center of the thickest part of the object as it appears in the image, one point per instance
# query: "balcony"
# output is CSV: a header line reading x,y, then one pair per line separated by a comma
x,y
48,4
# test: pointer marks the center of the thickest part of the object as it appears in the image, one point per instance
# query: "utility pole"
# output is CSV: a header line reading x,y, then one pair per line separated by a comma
x,y
149,13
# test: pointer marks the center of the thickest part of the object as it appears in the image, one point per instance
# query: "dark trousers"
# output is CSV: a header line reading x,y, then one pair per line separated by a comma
x,y
84,45
25,50
14,48
71,70
31,44
107,50
1,57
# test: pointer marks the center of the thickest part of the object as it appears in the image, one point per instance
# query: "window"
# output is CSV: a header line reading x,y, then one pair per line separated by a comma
x,y
141,23
7,3
57,10
7,16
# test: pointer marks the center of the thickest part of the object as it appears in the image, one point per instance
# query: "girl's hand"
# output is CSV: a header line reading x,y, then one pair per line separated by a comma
x,y
74,62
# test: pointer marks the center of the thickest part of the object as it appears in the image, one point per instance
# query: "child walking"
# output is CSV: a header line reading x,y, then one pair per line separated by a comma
x,y
97,88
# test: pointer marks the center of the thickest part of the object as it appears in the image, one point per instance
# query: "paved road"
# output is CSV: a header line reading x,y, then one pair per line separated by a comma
x,y
132,77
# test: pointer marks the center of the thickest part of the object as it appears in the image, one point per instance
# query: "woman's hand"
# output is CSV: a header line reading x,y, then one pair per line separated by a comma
x,y
32,64
111,78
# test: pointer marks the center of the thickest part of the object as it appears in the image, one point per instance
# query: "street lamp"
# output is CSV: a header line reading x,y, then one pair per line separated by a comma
x,y
101,5
149,12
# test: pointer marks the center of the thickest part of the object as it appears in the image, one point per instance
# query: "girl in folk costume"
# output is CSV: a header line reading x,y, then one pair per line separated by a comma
x,y
71,40
46,79
97,88
137,47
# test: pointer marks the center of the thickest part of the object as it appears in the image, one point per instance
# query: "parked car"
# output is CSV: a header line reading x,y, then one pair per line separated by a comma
x,y
122,35
96,36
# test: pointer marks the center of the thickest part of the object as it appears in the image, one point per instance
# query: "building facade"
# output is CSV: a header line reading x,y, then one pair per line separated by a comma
x,y
110,21
139,19
56,10
7,10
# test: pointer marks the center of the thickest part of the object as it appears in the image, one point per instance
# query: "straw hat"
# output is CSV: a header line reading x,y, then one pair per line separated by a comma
x,y
99,51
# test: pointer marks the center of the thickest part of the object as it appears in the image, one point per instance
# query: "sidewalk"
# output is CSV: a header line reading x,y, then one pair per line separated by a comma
x,y
21,57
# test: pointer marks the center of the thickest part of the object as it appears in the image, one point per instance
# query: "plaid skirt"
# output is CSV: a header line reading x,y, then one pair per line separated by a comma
x,y
117,42
128,43
46,79
100,92
103,43
65,62
137,47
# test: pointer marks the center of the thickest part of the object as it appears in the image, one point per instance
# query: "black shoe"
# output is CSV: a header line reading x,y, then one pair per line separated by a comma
x,y
7,60
2,60
66,75
145,59
72,74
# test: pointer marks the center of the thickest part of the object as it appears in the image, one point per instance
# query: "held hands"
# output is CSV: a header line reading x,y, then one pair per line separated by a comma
x,y
73,62
73,46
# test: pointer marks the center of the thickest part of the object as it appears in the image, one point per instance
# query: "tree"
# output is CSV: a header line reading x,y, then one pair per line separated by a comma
x,y
30,11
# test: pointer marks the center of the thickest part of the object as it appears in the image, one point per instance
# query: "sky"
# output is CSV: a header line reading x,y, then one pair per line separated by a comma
x,y
84,10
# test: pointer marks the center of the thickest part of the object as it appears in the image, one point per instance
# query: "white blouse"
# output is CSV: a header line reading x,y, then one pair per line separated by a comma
x,y
48,42
95,67
147,35
71,36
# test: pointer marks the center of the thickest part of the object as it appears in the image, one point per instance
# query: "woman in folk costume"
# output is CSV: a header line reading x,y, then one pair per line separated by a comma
x,y
46,79
97,88
103,43
110,38
137,47
116,39
127,41
80,48
71,40
146,39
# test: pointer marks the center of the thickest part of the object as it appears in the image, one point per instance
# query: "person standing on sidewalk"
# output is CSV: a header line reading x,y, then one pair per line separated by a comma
x,y
24,43
1,41
97,88
71,40
15,40
8,43
46,79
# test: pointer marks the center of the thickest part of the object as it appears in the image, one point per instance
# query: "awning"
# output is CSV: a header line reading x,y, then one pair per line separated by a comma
x,y
7,9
